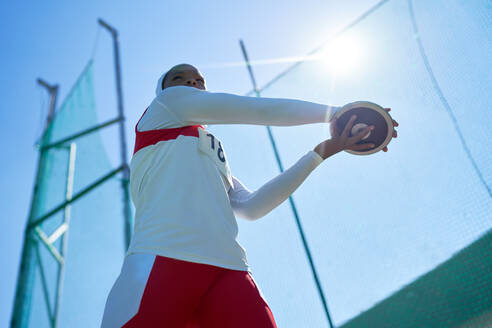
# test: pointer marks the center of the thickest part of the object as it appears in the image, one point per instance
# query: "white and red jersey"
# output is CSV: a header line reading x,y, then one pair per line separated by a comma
x,y
183,191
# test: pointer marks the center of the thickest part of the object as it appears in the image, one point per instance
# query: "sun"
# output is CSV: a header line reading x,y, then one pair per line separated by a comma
x,y
343,55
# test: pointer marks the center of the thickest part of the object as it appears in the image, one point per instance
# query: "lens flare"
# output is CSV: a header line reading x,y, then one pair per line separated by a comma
x,y
343,55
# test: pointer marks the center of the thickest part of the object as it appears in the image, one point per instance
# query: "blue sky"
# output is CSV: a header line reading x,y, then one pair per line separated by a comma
x,y
54,40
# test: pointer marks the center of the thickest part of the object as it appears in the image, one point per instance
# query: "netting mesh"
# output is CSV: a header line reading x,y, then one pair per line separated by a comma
x,y
96,225
376,224
399,239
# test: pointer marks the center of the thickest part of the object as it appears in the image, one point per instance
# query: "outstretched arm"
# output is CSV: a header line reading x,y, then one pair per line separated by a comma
x,y
254,205
192,106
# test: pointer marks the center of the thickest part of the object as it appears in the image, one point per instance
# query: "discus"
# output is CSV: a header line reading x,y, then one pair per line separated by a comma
x,y
368,113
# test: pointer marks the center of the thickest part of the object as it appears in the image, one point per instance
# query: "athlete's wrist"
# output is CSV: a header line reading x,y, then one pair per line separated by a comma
x,y
316,157
320,153
326,149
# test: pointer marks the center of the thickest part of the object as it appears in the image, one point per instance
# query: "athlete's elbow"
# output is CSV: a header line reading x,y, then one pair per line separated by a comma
x,y
250,217
252,214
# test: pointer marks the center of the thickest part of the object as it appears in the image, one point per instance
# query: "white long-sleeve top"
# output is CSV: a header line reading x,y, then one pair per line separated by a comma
x,y
185,197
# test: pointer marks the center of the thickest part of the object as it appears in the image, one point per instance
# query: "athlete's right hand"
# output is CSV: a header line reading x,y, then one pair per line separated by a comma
x,y
342,141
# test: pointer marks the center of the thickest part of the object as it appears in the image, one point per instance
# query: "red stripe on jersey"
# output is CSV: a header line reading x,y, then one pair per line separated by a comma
x,y
151,137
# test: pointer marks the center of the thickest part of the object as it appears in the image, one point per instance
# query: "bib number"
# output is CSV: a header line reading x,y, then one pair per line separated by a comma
x,y
212,147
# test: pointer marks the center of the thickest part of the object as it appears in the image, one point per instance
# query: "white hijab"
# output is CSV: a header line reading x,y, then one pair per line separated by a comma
x,y
158,89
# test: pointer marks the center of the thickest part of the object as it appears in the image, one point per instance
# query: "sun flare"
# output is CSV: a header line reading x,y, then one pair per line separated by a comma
x,y
343,55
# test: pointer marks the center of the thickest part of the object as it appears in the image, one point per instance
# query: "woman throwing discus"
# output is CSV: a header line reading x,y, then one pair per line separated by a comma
x,y
184,267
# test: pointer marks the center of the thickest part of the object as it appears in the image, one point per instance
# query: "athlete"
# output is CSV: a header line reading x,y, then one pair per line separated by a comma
x,y
184,267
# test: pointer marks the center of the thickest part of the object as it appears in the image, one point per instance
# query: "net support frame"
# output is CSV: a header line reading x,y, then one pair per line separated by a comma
x,y
34,235
125,181
25,278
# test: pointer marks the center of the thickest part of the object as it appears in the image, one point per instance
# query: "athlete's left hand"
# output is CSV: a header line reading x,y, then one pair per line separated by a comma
x,y
395,134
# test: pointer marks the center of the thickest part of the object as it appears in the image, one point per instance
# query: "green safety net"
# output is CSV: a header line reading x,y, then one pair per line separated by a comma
x,y
399,239
95,240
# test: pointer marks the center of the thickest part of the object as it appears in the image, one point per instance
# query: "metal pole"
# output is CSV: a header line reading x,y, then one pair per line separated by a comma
x,y
74,198
126,170
53,90
66,222
291,200
82,133
25,279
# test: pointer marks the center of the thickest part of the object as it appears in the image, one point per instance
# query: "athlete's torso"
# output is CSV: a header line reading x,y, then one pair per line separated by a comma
x,y
178,182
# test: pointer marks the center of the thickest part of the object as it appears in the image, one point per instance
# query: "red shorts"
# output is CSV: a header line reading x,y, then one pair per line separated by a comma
x,y
156,291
